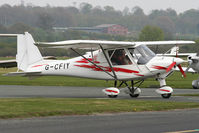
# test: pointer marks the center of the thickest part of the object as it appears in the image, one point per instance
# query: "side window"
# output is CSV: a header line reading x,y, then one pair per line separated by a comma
x,y
119,57
134,54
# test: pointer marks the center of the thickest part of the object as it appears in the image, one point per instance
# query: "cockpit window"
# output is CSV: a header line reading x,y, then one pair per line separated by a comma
x,y
142,54
119,57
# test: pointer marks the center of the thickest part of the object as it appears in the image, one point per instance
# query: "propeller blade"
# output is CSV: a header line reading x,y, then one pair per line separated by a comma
x,y
170,67
181,70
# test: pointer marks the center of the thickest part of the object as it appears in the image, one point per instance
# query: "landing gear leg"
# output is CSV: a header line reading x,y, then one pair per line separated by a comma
x,y
115,83
134,91
165,91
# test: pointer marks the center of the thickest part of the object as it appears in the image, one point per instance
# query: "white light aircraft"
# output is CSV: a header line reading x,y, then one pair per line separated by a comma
x,y
107,60
193,61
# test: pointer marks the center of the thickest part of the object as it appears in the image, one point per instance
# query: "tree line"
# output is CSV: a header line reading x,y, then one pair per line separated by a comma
x,y
167,24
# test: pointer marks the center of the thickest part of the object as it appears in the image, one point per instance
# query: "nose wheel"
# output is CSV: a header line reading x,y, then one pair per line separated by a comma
x,y
112,96
166,95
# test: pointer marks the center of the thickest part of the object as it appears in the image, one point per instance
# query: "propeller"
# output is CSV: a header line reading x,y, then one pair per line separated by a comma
x,y
178,61
179,66
170,66
181,70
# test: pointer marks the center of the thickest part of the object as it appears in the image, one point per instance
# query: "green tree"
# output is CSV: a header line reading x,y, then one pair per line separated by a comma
x,y
45,21
20,28
151,33
85,7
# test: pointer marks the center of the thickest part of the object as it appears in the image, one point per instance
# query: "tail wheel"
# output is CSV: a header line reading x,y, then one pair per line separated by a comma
x,y
166,95
112,96
134,95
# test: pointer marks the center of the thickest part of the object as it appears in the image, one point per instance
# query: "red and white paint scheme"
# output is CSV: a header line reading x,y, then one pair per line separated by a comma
x,y
107,60
111,92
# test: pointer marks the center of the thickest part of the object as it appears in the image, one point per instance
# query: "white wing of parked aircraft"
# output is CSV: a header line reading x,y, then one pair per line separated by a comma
x,y
193,61
13,63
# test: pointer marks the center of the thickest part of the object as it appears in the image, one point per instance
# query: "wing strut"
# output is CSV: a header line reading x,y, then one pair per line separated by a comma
x,y
93,63
115,76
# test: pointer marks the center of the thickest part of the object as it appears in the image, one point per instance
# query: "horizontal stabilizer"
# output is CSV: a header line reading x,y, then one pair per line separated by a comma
x,y
22,74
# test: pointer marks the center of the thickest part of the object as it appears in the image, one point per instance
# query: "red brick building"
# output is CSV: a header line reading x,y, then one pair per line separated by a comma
x,y
113,29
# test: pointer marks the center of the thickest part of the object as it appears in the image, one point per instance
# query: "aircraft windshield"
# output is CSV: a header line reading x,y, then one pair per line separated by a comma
x,y
142,54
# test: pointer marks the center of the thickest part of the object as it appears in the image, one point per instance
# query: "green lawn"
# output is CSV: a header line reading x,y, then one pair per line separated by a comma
x,y
37,107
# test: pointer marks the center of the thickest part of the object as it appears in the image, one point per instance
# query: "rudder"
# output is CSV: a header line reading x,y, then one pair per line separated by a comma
x,y
27,52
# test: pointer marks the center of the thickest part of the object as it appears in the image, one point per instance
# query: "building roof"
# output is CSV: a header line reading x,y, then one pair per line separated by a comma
x,y
105,25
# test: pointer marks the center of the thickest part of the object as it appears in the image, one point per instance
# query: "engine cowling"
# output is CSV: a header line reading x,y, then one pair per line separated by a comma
x,y
111,91
164,90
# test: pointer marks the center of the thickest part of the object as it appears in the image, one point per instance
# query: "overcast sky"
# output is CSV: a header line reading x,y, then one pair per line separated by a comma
x,y
146,5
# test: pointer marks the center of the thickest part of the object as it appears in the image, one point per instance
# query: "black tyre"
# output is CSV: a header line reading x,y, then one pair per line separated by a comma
x,y
112,96
134,95
194,87
195,84
166,95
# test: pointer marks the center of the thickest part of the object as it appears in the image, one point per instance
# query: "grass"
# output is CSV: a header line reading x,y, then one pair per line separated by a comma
x,y
37,107
7,58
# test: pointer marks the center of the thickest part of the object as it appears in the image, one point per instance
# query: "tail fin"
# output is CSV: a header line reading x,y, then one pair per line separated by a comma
x,y
27,52
174,50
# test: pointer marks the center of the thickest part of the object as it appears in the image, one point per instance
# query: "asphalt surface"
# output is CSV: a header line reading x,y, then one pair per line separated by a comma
x,y
142,122
18,91
138,122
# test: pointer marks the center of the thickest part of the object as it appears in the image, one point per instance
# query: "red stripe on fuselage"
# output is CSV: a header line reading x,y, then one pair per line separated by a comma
x,y
39,65
86,61
139,74
159,67
116,69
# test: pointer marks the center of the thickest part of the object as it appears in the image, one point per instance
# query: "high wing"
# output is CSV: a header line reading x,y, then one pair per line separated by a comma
x,y
94,44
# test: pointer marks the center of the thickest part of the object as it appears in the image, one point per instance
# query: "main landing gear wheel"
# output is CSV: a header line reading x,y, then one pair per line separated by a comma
x,y
166,95
133,92
112,96
195,84
134,95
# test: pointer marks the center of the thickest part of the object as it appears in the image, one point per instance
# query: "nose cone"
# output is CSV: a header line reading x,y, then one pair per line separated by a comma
x,y
178,61
190,62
